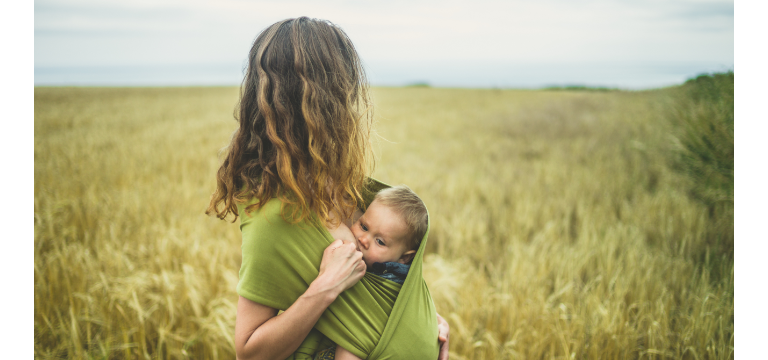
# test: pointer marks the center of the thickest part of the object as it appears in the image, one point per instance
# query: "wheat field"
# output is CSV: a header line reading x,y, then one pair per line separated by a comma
x,y
559,229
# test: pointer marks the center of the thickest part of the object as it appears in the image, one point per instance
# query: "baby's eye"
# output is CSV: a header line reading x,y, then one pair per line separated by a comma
x,y
380,242
362,226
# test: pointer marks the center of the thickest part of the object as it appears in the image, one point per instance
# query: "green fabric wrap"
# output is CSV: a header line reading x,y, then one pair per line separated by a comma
x,y
374,319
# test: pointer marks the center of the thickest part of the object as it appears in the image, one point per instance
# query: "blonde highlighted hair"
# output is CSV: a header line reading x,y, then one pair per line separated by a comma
x,y
304,125
404,202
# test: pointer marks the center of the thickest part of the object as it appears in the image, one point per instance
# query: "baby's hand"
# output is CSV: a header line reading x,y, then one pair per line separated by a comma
x,y
442,337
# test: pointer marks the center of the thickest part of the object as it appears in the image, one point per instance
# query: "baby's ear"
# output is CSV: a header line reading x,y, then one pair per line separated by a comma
x,y
407,257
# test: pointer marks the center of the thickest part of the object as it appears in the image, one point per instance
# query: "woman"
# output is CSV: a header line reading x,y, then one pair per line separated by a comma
x,y
296,167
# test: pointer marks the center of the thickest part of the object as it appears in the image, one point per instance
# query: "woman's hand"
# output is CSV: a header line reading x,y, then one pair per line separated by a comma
x,y
442,337
341,268
259,334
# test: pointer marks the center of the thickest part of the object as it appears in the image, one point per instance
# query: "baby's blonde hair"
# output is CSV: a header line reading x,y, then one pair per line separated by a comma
x,y
403,201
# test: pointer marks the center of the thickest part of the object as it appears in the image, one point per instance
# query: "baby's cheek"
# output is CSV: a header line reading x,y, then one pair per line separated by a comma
x,y
355,229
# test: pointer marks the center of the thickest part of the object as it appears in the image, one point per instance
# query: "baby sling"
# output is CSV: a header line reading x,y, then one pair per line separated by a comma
x,y
374,319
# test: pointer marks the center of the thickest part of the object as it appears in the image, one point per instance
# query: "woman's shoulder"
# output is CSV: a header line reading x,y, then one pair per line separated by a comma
x,y
271,220
250,213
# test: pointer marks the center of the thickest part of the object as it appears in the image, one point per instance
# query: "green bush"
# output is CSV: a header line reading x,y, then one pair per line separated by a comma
x,y
703,118
706,118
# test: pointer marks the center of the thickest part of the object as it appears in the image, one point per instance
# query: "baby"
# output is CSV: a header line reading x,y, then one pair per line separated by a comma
x,y
388,234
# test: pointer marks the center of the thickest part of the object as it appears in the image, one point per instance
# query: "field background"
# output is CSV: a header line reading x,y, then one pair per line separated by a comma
x,y
561,225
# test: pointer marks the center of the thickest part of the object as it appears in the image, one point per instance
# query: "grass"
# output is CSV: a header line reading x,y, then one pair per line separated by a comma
x,y
561,226
703,115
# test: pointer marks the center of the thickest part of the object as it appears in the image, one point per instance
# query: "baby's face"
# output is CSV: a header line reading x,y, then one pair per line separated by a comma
x,y
380,235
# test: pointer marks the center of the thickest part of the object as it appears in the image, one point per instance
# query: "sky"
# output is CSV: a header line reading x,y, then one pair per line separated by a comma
x,y
614,43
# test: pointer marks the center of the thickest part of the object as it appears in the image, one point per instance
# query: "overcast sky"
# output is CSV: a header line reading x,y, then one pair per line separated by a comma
x,y
630,44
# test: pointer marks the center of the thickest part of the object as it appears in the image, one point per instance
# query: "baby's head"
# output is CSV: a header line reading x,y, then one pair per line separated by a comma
x,y
392,227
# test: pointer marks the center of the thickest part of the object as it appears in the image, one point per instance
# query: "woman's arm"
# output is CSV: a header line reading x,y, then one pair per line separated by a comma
x,y
259,334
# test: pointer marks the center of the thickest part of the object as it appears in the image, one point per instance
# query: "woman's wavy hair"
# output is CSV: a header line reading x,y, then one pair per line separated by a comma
x,y
305,125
